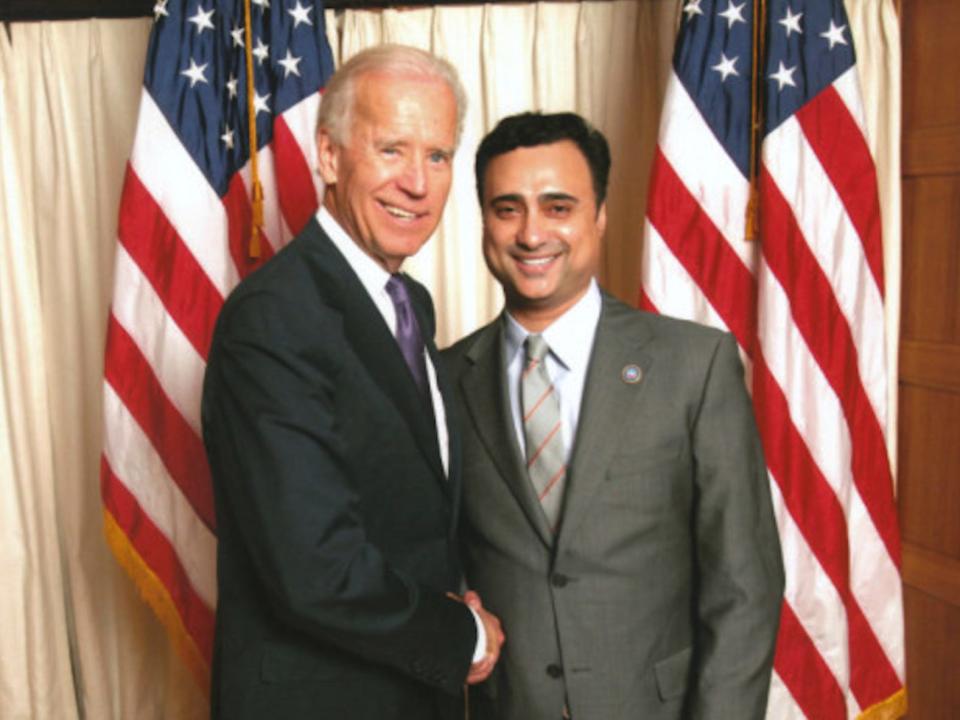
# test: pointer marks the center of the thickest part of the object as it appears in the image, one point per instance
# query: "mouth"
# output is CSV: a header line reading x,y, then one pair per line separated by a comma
x,y
399,213
538,265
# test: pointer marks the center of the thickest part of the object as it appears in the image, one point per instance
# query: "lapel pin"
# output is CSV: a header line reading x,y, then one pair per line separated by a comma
x,y
631,374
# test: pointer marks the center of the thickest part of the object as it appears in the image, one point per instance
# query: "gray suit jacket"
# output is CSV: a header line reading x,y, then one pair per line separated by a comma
x,y
659,596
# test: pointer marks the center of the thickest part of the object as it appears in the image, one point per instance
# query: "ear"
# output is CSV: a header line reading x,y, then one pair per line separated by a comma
x,y
602,220
328,157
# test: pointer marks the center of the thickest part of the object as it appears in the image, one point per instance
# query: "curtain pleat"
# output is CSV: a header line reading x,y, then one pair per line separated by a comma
x,y
35,667
89,646
462,289
876,33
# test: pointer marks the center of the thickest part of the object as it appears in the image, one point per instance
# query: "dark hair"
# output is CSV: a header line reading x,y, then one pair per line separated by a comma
x,y
531,129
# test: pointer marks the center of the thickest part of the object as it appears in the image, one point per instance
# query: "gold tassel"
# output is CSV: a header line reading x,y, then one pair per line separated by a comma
x,y
752,230
157,596
892,708
752,220
254,249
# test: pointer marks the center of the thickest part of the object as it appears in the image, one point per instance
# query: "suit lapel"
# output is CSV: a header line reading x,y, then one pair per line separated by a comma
x,y
377,349
485,396
607,400
452,486
428,439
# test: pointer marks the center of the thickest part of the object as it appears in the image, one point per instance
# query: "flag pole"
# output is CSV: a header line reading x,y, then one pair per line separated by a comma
x,y
752,229
254,249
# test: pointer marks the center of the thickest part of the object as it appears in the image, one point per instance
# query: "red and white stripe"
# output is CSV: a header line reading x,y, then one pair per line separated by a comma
x,y
806,305
181,250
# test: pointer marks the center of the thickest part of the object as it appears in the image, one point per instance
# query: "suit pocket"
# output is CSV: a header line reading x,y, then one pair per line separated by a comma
x,y
673,674
284,664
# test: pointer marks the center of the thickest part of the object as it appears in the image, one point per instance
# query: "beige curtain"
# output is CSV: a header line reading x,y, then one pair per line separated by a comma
x,y
76,640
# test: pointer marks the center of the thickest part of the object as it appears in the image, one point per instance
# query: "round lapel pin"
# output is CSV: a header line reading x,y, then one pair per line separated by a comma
x,y
631,374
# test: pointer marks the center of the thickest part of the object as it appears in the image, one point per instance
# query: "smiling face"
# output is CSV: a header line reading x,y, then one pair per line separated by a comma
x,y
387,184
541,229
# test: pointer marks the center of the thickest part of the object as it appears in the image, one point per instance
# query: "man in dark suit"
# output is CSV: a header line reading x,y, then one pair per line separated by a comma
x,y
336,474
617,512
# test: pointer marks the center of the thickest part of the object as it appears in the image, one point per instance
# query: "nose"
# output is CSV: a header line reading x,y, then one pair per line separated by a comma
x,y
531,233
413,179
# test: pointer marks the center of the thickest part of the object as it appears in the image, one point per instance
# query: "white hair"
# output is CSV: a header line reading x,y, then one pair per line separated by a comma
x,y
339,97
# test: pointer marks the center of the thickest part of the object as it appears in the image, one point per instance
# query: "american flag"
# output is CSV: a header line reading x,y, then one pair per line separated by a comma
x,y
806,303
183,243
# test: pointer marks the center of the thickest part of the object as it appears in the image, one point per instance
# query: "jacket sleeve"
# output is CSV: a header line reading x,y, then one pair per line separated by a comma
x,y
739,568
276,452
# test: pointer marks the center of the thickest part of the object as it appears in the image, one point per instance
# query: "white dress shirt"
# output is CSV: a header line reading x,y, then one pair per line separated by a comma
x,y
570,338
374,280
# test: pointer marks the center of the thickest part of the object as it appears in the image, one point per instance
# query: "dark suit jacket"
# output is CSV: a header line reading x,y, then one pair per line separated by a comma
x,y
335,522
659,597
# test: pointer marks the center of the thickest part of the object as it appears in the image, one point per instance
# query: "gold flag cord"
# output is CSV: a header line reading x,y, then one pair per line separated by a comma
x,y
254,249
752,229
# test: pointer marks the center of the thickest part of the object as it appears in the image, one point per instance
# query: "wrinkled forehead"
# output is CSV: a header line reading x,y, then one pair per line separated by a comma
x,y
383,90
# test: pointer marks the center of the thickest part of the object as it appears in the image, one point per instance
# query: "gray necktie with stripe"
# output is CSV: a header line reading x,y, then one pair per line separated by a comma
x,y
546,459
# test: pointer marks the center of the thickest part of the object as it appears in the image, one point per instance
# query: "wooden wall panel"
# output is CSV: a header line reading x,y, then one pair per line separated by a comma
x,y
931,257
930,364
929,441
932,631
931,63
929,470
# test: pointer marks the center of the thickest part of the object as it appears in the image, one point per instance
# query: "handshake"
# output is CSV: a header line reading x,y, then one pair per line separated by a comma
x,y
480,670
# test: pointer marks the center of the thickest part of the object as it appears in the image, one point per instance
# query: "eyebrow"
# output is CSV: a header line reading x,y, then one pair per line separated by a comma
x,y
544,198
400,140
554,196
506,197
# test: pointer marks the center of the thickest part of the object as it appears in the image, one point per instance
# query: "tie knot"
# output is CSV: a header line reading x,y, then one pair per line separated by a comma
x,y
397,290
536,347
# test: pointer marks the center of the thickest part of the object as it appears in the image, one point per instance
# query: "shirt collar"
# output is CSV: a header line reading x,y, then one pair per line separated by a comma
x,y
372,276
566,334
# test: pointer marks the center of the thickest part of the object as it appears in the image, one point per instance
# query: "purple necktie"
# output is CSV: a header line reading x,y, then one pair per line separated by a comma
x,y
408,331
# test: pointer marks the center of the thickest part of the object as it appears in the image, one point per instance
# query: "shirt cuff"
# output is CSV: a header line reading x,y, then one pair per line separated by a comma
x,y
481,649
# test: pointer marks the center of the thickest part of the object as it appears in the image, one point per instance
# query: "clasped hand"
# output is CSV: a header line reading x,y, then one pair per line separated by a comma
x,y
480,670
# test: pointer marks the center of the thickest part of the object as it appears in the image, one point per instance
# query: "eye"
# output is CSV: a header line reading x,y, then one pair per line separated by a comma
x,y
390,150
439,157
559,209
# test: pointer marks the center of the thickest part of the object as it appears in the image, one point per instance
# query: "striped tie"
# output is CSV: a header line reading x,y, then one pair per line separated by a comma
x,y
541,427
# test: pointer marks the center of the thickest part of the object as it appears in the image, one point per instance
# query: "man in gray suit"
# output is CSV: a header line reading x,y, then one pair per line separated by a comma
x,y
617,508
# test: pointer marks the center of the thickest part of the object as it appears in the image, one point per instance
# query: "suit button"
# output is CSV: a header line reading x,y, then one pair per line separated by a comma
x,y
554,670
559,580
